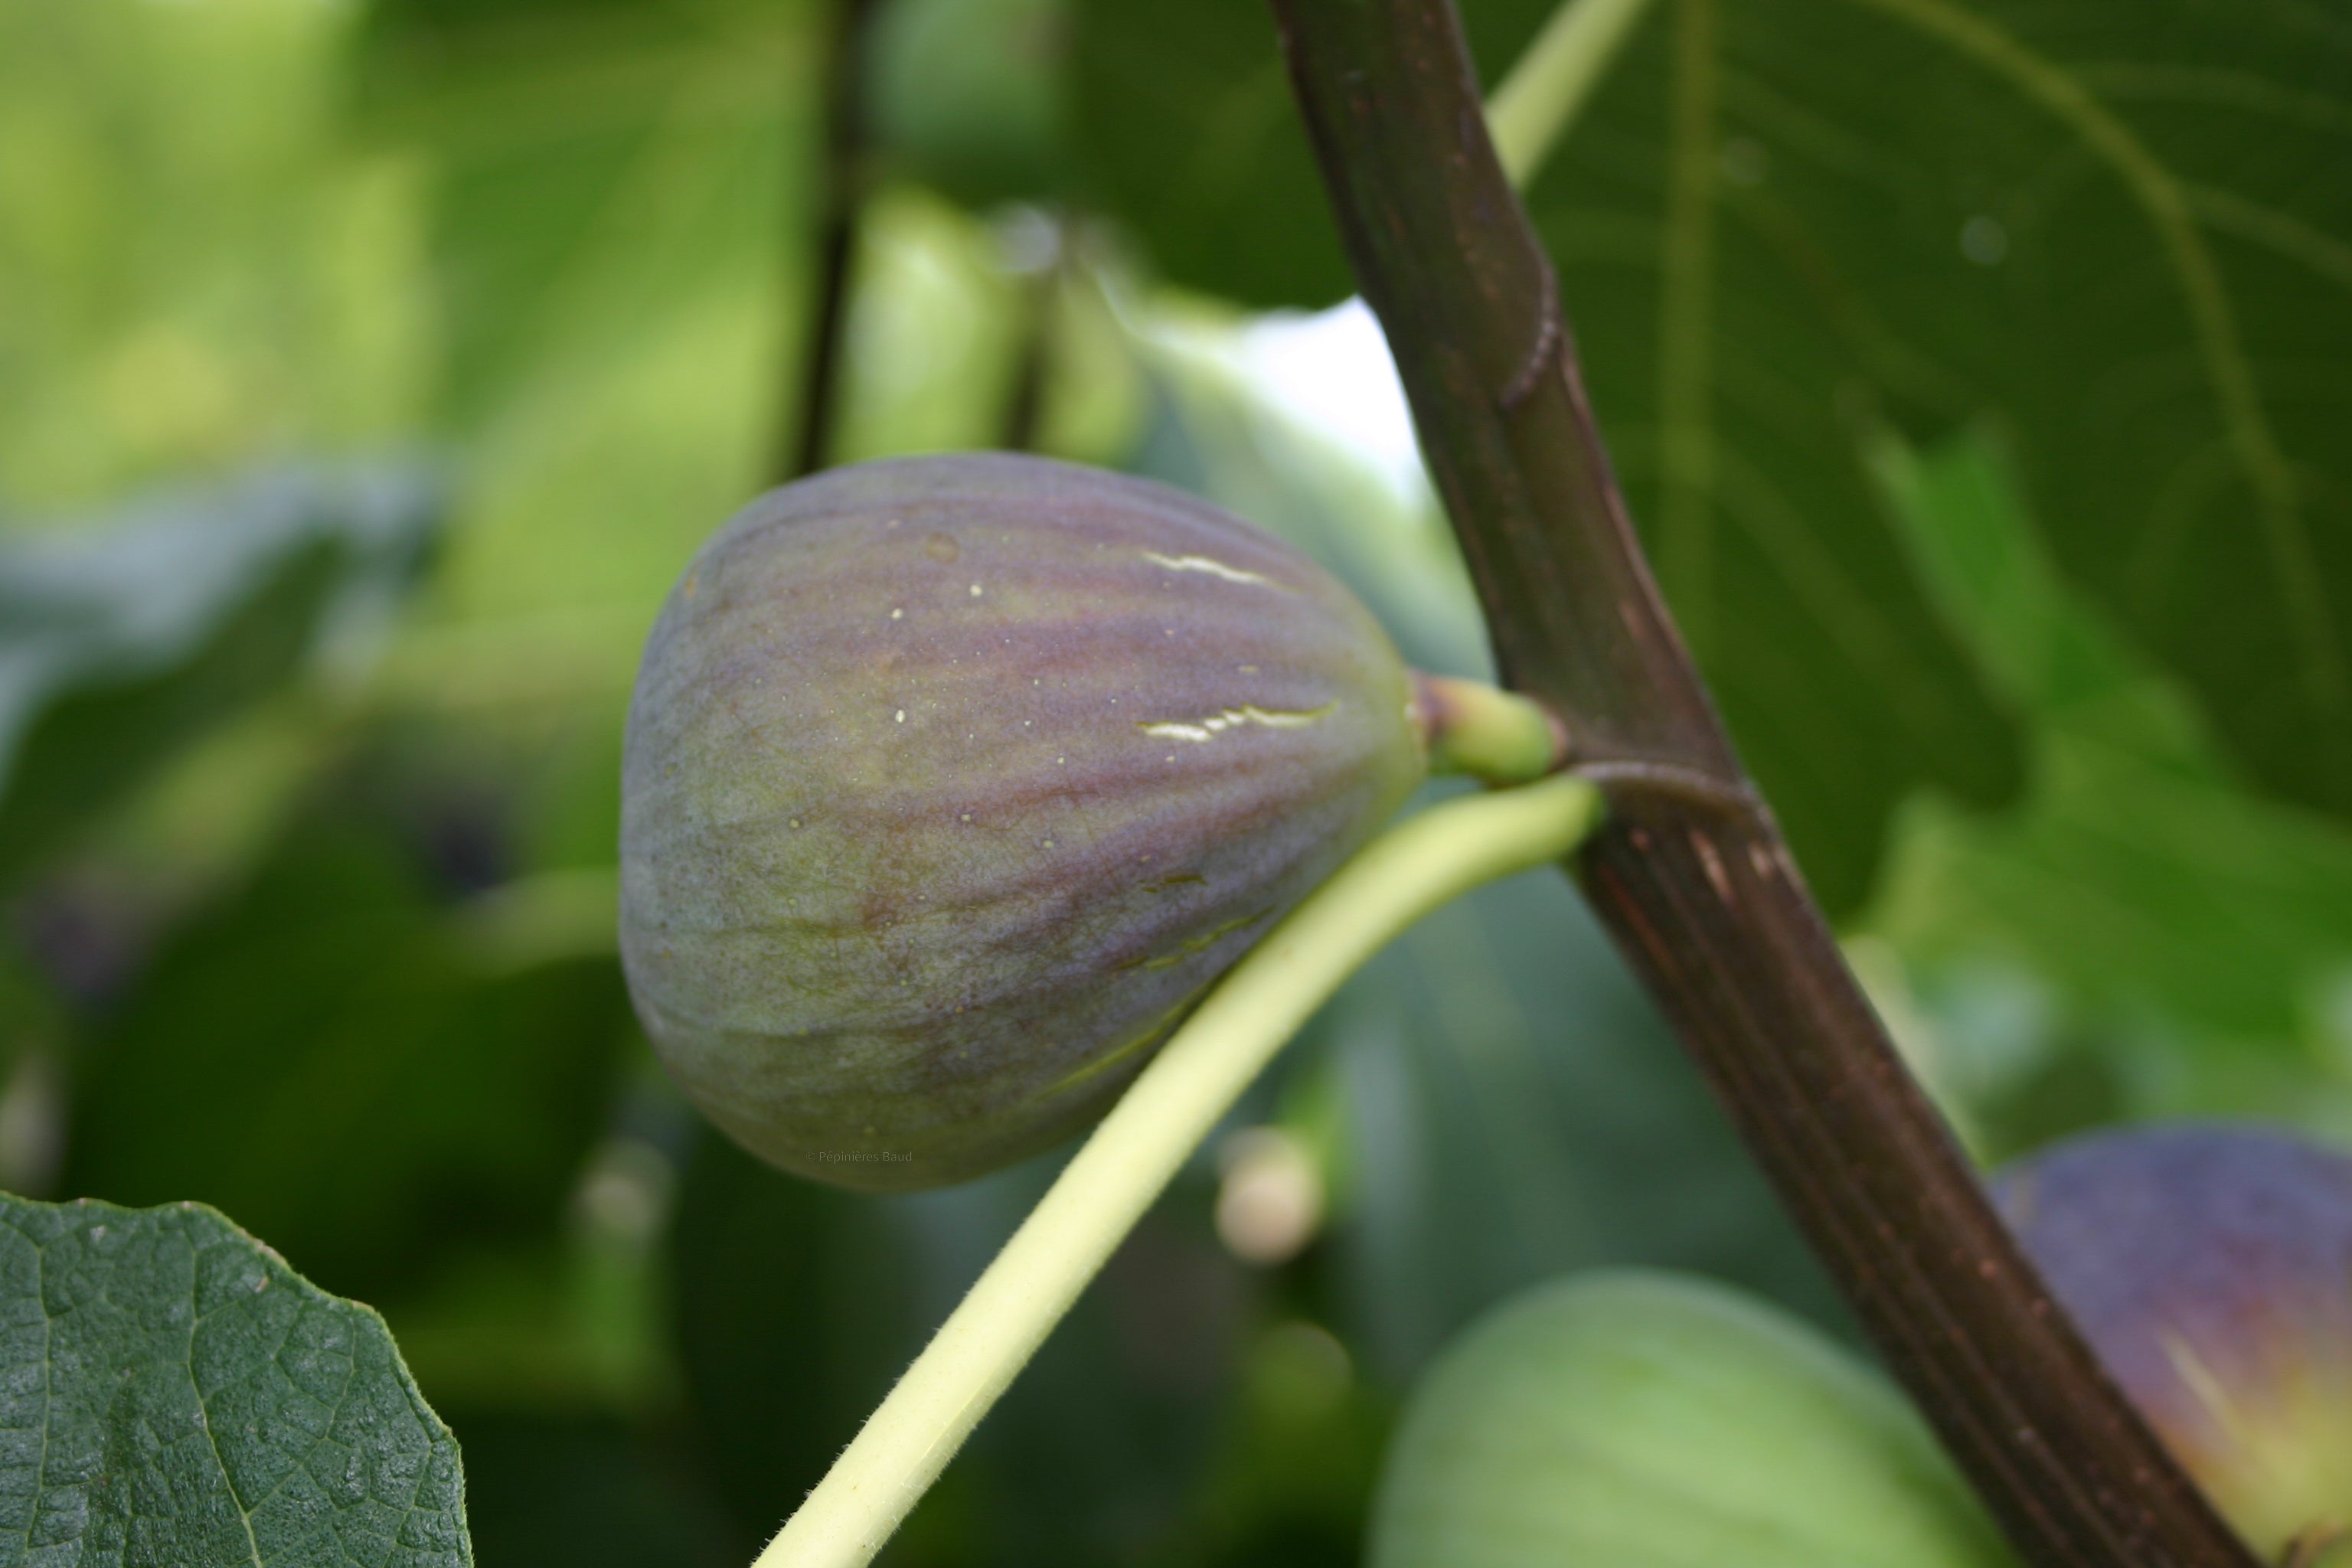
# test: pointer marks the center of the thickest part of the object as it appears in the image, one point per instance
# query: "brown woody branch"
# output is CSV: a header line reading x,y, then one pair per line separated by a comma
x,y
1690,874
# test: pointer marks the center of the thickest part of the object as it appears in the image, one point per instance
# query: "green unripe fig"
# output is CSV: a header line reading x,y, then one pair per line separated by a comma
x,y
1630,1419
2210,1266
952,782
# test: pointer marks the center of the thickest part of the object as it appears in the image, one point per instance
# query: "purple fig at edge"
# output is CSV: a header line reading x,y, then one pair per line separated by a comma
x,y
2210,1266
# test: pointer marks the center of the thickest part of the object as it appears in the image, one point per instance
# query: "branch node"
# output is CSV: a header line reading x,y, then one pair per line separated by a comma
x,y
1632,776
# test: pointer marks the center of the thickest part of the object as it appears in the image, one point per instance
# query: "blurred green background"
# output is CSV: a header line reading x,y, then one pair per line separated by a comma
x,y
368,371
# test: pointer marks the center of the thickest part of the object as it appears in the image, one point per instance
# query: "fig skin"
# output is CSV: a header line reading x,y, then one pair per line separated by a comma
x,y
952,782
2210,1266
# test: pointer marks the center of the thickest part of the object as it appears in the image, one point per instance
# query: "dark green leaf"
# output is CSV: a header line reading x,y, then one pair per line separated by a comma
x,y
333,1052
2170,332
174,1394
122,643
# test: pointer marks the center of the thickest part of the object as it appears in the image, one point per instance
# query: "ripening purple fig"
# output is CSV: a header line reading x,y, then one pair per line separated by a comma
x,y
2211,1268
952,782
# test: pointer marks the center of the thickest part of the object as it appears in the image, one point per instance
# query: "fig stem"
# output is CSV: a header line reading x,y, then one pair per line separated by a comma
x,y
1486,732
1409,871
1553,79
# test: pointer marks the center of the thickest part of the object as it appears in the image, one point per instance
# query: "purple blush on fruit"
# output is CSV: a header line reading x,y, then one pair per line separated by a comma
x,y
2210,1265
951,783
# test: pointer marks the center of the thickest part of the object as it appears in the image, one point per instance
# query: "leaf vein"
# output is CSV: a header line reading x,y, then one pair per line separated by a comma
x,y
2166,203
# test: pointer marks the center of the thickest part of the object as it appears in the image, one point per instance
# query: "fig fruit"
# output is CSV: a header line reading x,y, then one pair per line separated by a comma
x,y
1637,1419
2211,1269
952,782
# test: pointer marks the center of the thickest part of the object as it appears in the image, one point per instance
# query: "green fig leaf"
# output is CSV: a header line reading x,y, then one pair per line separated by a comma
x,y
2142,905
173,1393
2120,236
1640,1420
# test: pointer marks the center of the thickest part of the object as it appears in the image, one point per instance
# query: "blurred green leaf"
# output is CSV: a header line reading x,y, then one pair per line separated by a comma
x,y
584,1492
969,96
2142,910
934,328
1294,1467
1636,1420
621,237
198,271
572,1325
118,645
325,1051
601,168
1186,131
799,1305
30,1016
1184,118
1517,1108
178,1395
797,1308
616,192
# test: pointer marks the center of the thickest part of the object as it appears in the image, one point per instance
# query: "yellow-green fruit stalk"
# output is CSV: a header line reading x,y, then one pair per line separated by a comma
x,y
951,784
